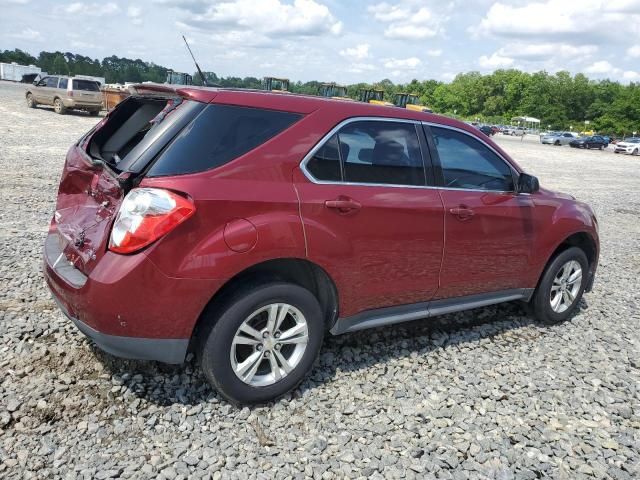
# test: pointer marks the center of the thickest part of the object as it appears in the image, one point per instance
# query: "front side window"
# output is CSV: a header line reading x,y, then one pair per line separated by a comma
x,y
469,164
52,82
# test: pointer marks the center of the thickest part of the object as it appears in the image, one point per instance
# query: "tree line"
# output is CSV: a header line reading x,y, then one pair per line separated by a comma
x,y
559,100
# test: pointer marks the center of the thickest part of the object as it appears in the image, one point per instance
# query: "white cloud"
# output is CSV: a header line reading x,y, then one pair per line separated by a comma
x,y
634,51
407,21
495,61
631,76
601,66
410,63
269,17
570,20
359,52
26,34
546,51
361,67
434,53
134,13
90,9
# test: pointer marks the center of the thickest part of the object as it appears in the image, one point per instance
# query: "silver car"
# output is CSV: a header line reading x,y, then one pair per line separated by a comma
x,y
563,138
630,146
65,93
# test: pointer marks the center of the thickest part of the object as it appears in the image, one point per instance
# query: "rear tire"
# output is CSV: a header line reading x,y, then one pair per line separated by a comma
x,y
246,356
561,286
94,113
31,102
59,107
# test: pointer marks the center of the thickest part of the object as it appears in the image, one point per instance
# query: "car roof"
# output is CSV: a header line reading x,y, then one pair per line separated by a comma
x,y
294,102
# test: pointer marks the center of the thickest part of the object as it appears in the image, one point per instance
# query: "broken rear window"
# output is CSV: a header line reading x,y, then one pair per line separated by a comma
x,y
138,127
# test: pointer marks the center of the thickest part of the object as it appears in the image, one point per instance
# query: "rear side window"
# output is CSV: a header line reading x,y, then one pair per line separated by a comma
x,y
218,135
469,164
325,163
88,85
381,152
63,83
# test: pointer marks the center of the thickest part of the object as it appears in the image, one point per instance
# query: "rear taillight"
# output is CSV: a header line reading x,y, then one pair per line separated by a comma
x,y
145,215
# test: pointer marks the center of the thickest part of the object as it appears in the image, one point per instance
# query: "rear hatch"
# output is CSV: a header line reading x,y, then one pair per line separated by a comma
x,y
86,91
103,166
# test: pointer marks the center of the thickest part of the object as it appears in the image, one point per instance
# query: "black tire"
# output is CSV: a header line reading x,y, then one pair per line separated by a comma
x,y
59,107
220,327
541,301
557,144
31,102
601,147
635,152
94,113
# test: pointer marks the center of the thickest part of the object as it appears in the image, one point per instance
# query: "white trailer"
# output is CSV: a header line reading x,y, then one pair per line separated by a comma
x,y
14,72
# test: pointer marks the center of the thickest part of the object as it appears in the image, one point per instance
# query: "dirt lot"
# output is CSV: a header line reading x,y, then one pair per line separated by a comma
x,y
483,394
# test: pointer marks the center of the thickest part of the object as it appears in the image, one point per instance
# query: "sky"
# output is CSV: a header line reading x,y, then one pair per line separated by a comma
x,y
342,41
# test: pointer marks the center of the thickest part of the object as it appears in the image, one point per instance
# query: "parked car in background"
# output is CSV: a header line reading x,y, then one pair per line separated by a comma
x,y
595,141
558,138
630,146
65,93
245,226
515,131
487,130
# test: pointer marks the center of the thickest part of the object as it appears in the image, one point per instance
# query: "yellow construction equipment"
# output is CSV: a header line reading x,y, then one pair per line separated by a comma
x,y
374,96
410,102
275,84
332,90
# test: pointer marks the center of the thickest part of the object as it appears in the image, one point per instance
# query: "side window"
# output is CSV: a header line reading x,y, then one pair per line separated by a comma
x,y
381,152
52,82
325,164
63,83
469,164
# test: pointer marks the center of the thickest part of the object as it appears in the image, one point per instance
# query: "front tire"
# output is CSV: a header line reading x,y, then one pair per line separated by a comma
x,y
59,107
31,102
262,342
561,287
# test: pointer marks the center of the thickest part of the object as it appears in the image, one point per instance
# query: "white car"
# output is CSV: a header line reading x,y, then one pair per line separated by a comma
x,y
630,146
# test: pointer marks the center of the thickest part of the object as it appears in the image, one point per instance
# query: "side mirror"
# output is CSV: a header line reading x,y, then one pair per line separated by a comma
x,y
528,183
35,82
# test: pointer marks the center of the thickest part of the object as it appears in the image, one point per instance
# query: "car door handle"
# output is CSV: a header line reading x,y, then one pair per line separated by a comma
x,y
462,212
343,205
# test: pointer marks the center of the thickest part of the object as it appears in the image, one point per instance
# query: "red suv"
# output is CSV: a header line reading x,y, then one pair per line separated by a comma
x,y
243,225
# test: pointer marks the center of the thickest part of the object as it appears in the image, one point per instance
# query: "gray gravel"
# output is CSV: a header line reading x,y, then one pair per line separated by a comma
x,y
483,394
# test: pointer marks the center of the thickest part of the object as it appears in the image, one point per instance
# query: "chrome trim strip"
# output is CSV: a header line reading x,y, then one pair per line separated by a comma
x,y
334,130
405,313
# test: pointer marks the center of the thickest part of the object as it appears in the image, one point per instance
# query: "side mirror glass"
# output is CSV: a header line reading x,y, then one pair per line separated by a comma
x,y
528,183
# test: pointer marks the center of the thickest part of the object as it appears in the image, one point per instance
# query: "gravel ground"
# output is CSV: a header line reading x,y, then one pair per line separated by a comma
x,y
483,394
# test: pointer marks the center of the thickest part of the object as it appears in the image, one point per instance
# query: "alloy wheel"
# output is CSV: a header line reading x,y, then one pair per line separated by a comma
x,y
269,344
566,286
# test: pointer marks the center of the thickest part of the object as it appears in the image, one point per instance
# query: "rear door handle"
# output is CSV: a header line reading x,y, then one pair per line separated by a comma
x,y
462,212
343,205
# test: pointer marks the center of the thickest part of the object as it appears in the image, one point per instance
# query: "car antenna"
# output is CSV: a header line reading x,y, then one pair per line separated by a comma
x,y
204,80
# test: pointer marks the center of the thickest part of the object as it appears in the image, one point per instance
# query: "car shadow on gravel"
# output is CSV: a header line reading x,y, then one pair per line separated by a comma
x,y
165,385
